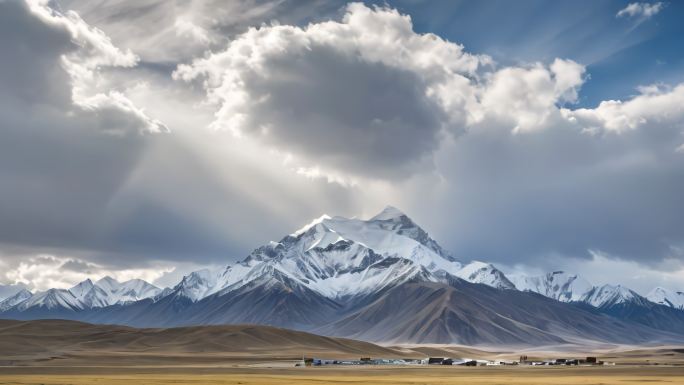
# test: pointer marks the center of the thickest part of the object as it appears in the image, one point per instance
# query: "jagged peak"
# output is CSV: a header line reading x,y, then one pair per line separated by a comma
x,y
659,289
55,290
87,283
81,288
23,292
610,295
666,290
201,274
19,297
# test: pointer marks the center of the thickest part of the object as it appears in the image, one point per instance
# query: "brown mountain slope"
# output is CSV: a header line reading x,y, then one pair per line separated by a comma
x,y
58,342
470,314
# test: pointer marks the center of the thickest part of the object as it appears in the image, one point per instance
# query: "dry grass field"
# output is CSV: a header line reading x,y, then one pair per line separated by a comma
x,y
348,375
65,352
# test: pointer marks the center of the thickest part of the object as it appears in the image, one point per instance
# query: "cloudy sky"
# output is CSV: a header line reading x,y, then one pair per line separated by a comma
x,y
150,138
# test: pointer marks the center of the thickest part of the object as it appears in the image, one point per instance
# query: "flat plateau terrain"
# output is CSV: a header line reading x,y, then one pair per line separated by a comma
x,y
346,375
66,352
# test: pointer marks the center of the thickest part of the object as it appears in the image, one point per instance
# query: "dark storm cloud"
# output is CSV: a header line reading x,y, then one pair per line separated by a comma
x,y
347,114
355,97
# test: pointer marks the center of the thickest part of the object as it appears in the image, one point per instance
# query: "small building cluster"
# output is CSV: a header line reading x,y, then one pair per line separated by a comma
x,y
588,361
467,362
524,360
361,361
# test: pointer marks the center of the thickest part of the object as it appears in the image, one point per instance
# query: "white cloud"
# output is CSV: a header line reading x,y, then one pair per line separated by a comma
x,y
186,28
654,107
92,51
168,31
568,77
367,96
641,10
45,271
94,48
527,97
116,113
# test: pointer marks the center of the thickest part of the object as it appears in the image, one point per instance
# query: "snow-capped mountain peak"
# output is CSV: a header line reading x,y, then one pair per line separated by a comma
x,y
136,289
663,296
566,287
609,295
339,257
197,284
107,284
52,299
8,290
335,256
361,270
81,289
558,285
108,291
17,298
485,273
389,213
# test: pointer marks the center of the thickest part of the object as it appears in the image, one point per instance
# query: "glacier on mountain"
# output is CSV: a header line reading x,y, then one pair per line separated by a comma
x,y
671,298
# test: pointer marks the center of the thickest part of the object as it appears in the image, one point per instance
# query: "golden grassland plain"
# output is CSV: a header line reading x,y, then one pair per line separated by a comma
x,y
67,352
350,375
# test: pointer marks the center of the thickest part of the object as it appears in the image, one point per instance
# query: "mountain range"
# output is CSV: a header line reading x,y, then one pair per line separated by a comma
x,y
384,280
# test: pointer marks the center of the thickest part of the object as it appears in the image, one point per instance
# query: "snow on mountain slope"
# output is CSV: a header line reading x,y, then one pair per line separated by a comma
x,y
662,296
108,291
382,278
609,295
380,275
17,298
558,285
51,299
336,257
136,289
571,288
108,284
485,273
97,297
10,290
82,288
392,218
197,285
